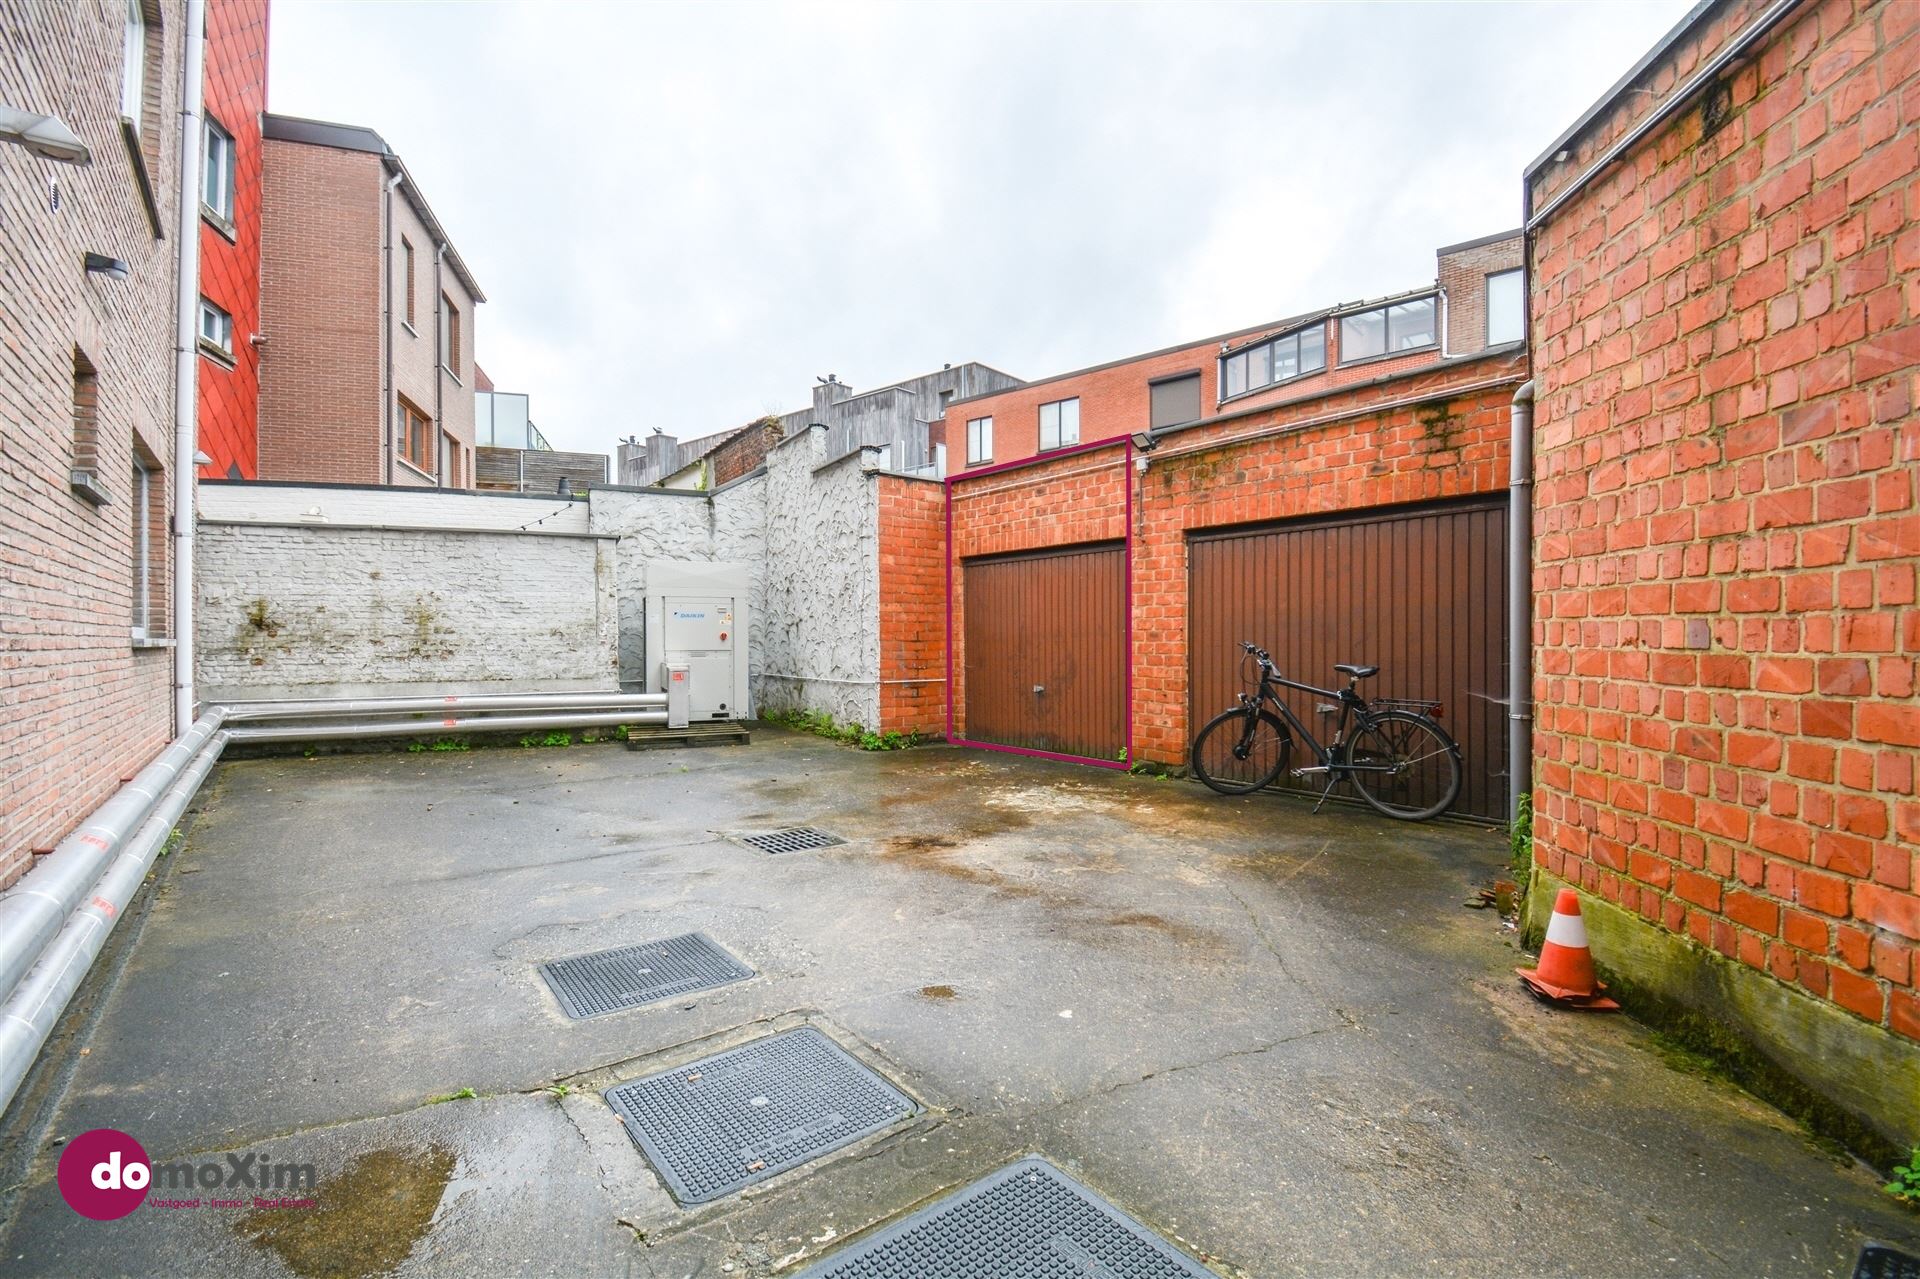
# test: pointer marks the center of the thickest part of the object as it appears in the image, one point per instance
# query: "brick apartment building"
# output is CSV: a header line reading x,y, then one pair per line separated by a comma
x,y
1723,257
87,409
1474,303
367,316
1331,486
236,100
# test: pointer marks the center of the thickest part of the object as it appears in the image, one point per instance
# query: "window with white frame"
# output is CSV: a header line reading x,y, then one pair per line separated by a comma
x,y
1059,424
216,189
1506,307
1280,359
133,65
979,440
216,328
1388,330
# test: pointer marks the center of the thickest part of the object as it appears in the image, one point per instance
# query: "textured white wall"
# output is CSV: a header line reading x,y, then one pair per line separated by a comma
x,y
321,612
822,633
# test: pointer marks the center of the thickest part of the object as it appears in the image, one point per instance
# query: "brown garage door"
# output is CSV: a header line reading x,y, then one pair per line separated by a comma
x,y
1421,593
1046,650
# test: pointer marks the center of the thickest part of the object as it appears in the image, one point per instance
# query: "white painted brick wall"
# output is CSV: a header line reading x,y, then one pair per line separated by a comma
x,y
318,612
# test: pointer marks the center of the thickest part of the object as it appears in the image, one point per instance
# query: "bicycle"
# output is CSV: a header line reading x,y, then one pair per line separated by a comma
x,y
1399,759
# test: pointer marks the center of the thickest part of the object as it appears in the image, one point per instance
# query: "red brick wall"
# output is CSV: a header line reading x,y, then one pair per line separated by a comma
x,y
744,451
1078,497
1463,278
912,606
84,708
320,378
1727,539
236,94
1440,439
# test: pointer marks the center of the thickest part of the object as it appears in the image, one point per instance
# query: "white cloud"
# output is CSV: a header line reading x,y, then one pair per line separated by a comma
x,y
682,214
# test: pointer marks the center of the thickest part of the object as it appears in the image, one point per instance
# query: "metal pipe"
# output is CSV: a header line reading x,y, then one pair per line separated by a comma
x,y
1520,598
186,362
452,724
28,1016
33,912
246,712
386,324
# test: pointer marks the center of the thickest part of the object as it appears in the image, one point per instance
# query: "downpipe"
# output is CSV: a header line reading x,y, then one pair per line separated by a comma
x,y
186,365
1520,598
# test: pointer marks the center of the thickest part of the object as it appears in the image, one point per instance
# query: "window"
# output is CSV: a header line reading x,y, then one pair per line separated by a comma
x,y
1059,424
416,437
979,440
1173,400
452,454
149,543
451,356
216,190
1404,326
1506,307
1289,356
133,66
216,329
406,263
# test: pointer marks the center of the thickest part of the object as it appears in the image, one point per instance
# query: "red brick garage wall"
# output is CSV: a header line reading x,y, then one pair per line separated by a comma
x,y
1725,625
1438,434
913,532
1068,499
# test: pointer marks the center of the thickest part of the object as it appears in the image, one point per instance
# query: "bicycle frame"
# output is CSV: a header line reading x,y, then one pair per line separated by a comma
x,y
1352,705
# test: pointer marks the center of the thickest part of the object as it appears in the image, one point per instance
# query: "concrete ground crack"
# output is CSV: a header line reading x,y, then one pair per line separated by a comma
x,y
1347,1023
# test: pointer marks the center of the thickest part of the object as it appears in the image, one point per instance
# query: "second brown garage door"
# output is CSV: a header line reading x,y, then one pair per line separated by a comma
x,y
1420,592
1046,651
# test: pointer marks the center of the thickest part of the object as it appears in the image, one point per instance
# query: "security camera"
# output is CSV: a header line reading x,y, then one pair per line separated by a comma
x,y
46,136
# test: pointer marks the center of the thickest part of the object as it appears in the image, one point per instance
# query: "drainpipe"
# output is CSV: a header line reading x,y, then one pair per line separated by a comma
x,y
1520,597
186,364
386,328
439,371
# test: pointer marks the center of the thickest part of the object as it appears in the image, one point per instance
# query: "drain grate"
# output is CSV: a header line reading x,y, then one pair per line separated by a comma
x,y
744,1115
794,839
629,976
1028,1219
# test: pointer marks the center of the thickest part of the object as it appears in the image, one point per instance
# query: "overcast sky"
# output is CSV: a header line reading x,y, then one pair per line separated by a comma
x,y
682,214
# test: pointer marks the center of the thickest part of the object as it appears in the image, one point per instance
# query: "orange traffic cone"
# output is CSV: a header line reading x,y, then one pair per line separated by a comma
x,y
1565,975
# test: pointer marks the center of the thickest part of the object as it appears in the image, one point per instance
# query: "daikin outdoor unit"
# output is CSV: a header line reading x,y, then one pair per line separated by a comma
x,y
697,617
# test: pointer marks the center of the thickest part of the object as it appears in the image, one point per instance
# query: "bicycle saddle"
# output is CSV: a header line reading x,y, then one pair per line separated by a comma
x,y
1358,672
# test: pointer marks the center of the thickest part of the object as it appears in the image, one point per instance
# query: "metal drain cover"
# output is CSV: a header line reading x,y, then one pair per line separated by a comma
x,y
1027,1221
747,1114
794,839
629,976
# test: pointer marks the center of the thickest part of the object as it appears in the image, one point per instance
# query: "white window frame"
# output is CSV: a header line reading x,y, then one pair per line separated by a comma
x,y
1059,427
221,336
142,619
1519,276
217,155
979,440
133,65
1386,329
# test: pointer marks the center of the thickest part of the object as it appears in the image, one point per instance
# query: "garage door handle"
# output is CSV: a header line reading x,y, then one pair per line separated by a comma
x,y
1039,688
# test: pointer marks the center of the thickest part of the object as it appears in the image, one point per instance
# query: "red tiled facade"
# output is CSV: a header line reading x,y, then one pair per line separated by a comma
x,y
1727,539
236,97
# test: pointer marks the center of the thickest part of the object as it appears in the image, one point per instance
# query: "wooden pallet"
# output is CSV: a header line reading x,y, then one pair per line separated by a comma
x,y
719,733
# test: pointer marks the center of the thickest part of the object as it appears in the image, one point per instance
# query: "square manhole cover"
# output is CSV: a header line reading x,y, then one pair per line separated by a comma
x,y
1027,1220
726,1121
794,839
629,976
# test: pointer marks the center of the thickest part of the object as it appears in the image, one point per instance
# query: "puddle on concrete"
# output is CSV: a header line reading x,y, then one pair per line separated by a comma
x,y
368,1220
934,854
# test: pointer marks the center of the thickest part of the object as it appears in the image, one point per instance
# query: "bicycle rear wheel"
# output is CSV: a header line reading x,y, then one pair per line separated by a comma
x,y
1405,766
1240,751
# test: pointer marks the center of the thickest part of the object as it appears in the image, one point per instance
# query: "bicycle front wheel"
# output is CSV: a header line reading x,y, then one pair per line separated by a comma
x,y
1405,766
1239,751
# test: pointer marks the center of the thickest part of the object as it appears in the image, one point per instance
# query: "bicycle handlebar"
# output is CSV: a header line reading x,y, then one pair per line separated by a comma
x,y
1256,651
